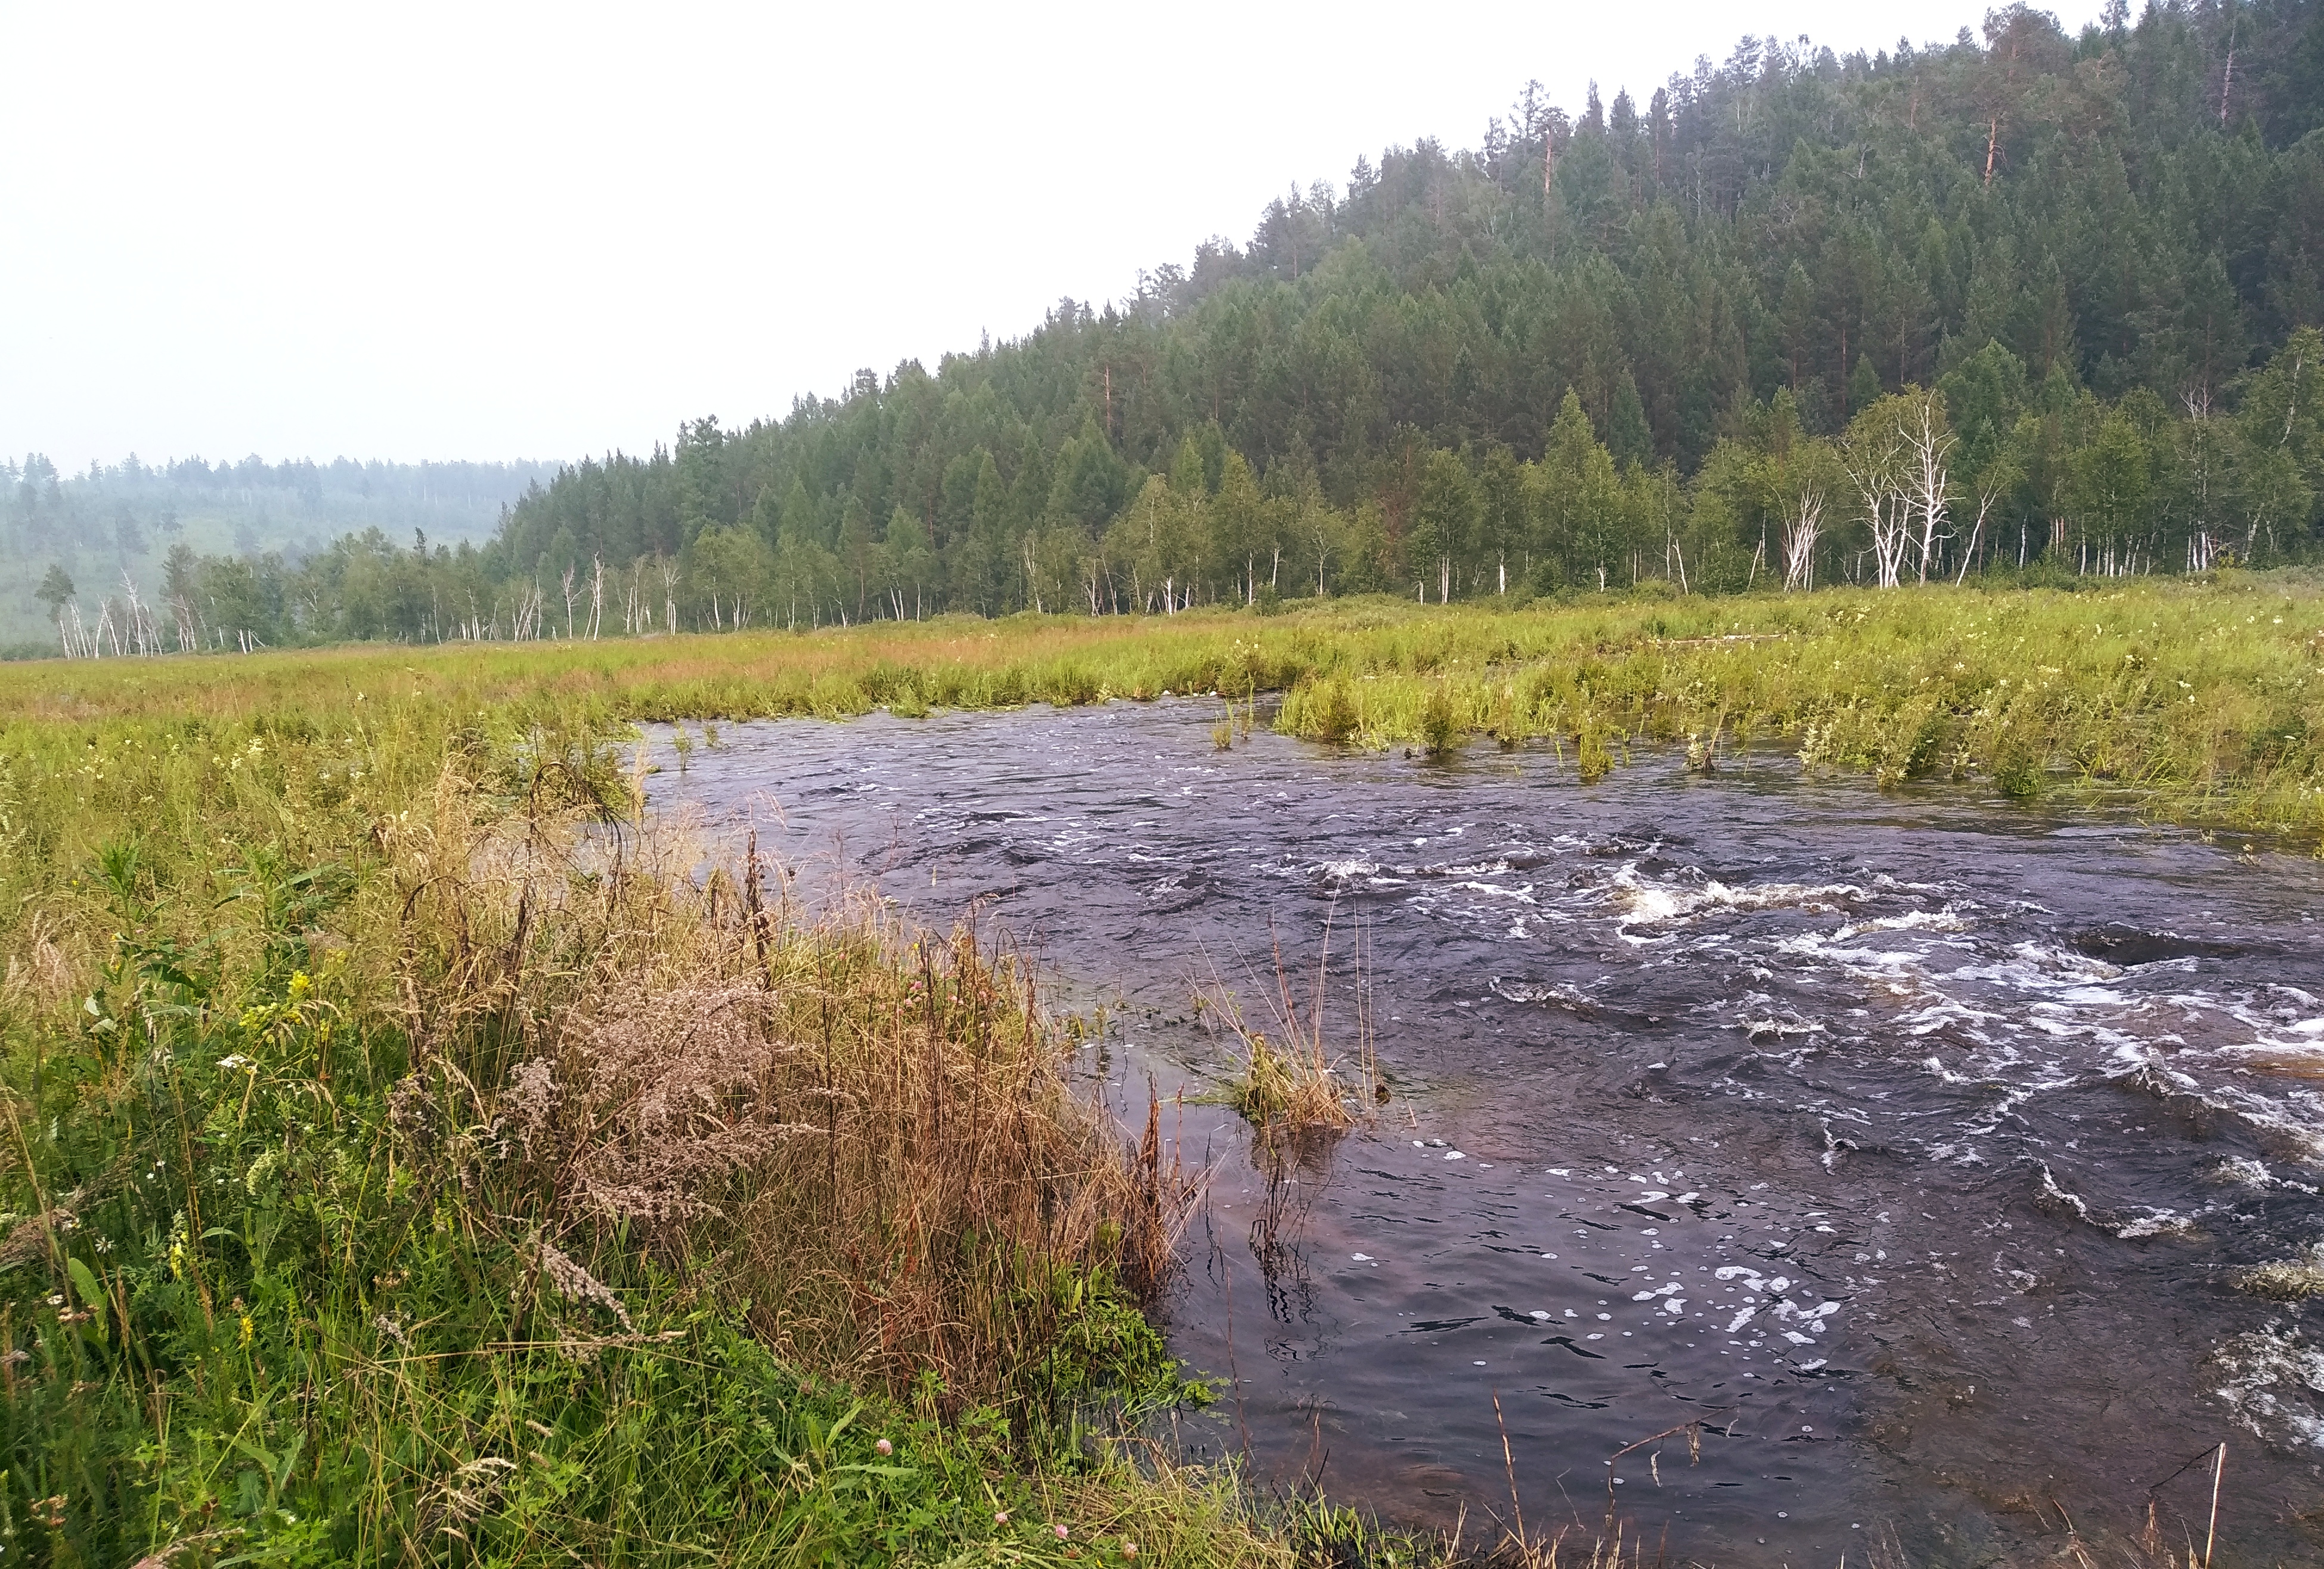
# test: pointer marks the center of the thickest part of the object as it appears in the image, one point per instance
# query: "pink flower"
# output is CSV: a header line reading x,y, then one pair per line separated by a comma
x,y
884,1448
1000,1518
1061,1532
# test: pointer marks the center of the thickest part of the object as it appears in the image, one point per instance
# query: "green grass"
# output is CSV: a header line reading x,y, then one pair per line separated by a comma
x,y
402,1161
2192,701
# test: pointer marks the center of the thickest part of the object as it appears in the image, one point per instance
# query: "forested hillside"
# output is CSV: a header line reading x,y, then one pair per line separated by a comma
x,y
154,523
2024,301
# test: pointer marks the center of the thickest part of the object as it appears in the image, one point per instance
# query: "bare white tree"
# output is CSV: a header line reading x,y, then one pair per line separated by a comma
x,y
1929,446
1803,524
1875,461
1032,572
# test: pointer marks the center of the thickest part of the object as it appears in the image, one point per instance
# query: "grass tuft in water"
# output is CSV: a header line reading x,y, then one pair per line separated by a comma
x,y
1290,1088
2292,1280
1287,1081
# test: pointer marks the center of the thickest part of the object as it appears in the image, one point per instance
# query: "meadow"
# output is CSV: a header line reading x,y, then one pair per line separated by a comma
x,y
2187,701
404,1157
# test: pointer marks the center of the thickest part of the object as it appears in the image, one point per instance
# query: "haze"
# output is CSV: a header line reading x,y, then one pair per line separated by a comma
x,y
437,232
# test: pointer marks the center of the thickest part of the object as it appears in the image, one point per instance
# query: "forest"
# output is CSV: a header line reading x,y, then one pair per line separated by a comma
x,y
2025,303
112,531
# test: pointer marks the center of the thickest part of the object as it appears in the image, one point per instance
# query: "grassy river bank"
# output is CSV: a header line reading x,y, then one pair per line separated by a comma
x,y
404,1160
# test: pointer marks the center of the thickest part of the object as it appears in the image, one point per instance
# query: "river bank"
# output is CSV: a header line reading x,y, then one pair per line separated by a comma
x,y
2190,701
408,1159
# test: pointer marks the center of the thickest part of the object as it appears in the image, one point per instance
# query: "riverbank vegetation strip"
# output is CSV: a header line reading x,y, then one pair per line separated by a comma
x,y
2188,700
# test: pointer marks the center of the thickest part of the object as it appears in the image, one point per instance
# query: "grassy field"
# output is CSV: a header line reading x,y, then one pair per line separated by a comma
x,y
402,1160
2190,700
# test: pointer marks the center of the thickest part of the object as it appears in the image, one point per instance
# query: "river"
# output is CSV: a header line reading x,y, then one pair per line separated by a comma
x,y
1901,1149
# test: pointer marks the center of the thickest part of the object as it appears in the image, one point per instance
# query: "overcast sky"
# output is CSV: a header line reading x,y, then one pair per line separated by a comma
x,y
487,231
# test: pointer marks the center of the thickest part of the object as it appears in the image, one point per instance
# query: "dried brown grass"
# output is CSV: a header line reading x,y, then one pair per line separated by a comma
x,y
40,978
862,1131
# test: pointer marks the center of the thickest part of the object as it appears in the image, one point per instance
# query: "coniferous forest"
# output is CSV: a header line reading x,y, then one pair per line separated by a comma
x,y
2022,303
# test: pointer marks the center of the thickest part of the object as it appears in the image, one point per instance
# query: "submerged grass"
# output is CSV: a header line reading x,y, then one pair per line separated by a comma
x,y
2294,1280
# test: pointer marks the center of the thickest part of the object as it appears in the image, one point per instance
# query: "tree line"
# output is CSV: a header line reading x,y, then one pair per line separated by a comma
x,y
106,532
2024,301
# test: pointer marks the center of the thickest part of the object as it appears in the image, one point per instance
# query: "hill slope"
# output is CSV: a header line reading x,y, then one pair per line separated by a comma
x,y
1690,339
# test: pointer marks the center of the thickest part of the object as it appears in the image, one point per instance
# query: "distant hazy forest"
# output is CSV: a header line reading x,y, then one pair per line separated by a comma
x,y
202,527
2023,302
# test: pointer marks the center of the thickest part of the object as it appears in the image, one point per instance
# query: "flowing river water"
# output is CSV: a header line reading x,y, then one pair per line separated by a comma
x,y
1908,1146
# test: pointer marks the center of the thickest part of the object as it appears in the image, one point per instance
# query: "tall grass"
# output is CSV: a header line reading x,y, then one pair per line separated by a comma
x,y
2200,704
2197,699
403,1160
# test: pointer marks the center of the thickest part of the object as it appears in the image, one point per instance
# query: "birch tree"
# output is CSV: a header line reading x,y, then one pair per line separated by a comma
x,y
1876,457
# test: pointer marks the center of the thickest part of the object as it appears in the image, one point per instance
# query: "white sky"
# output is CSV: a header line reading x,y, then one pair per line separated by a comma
x,y
482,231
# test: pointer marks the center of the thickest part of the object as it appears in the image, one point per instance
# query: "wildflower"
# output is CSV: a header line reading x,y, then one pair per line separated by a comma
x,y
237,1061
1000,1517
884,1448
300,984
1061,1532
248,1330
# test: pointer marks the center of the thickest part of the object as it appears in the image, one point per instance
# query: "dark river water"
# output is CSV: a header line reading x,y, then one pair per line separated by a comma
x,y
1909,1144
